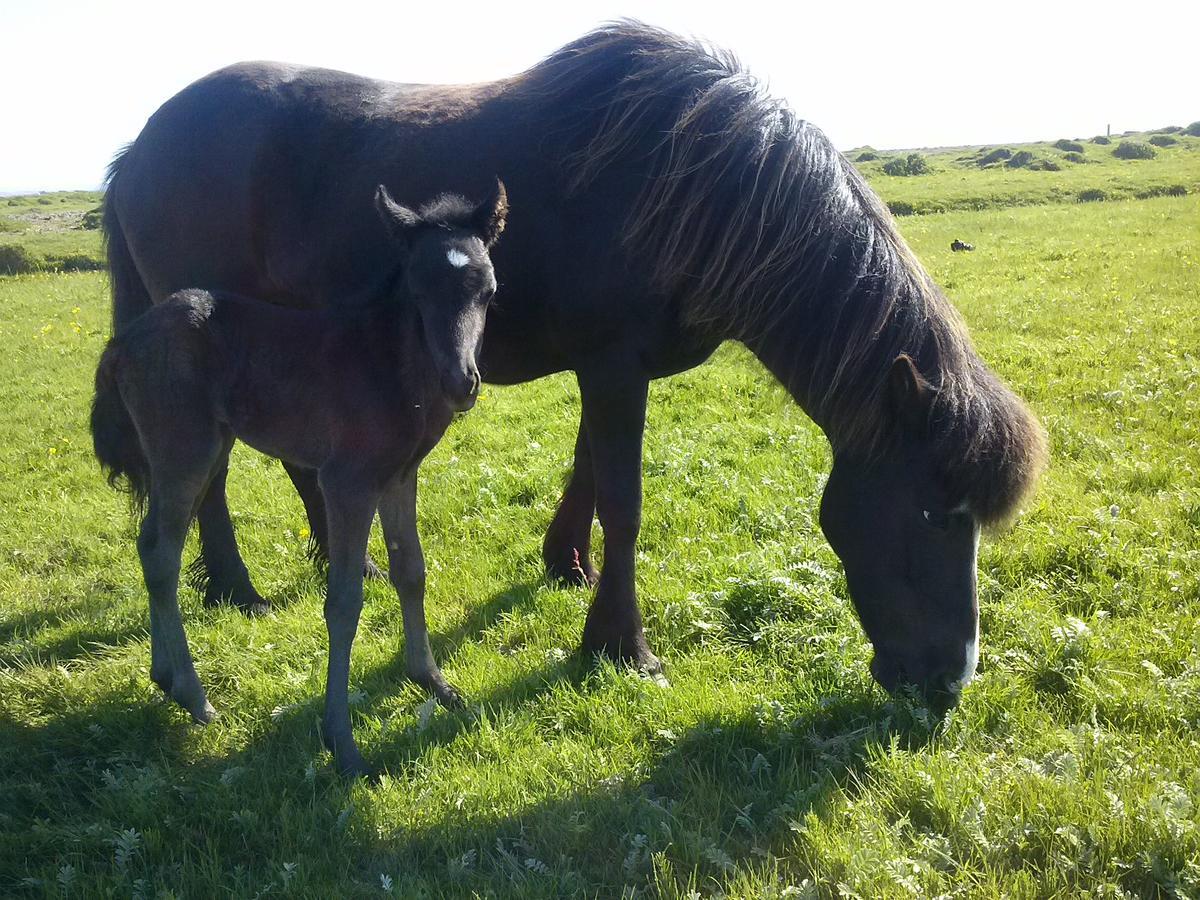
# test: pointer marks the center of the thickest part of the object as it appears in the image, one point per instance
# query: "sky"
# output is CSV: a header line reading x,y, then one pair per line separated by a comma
x,y
78,79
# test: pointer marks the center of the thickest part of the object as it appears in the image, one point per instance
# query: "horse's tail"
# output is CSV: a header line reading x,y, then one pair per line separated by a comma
x,y
129,294
114,436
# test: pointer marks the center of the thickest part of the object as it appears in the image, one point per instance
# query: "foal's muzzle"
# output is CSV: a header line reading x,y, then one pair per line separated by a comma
x,y
461,388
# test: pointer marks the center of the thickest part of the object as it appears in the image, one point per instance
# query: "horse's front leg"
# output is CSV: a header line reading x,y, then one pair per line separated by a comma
x,y
567,547
406,567
306,485
350,506
614,410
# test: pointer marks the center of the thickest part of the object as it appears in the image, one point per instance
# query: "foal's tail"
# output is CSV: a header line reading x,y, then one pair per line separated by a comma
x,y
114,436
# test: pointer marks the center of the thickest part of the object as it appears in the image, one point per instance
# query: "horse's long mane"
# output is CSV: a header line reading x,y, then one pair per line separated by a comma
x,y
758,227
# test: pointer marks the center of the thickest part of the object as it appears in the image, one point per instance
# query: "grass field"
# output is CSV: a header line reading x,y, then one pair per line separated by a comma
x,y
772,766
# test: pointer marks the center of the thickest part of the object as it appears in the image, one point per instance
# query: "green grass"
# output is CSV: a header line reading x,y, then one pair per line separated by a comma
x,y
958,182
772,766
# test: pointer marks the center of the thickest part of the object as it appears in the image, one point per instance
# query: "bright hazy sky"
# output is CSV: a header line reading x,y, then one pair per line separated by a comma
x,y
78,79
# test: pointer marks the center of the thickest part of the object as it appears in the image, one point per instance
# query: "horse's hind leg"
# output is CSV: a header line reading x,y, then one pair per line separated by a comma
x,y
567,547
160,547
305,482
406,567
219,570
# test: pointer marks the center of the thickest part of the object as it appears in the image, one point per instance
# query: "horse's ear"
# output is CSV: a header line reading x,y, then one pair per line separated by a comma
x,y
489,216
909,393
399,220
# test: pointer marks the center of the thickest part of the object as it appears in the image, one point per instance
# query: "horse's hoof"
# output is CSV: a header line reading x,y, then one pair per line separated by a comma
x,y
448,696
576,571
372,572
632,653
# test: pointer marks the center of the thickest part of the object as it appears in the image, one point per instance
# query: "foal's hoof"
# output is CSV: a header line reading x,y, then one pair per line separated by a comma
x,y
204,714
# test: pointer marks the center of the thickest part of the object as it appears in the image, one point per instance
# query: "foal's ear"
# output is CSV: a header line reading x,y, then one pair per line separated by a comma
x,y
488,218
396,218
909,393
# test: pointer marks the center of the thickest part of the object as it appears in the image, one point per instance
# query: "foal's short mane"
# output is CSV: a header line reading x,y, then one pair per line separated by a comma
x,y
448,211
760,230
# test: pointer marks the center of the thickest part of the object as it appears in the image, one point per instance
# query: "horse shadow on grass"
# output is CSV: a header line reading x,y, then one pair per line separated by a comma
x,y
730,794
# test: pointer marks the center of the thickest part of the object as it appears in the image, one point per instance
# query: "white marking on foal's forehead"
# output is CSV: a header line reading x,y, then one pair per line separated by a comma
x,y
457,258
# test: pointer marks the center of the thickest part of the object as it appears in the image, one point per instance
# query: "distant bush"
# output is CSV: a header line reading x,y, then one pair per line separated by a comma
x,y
1163,190
1044,165
1000,153
901,208
1075,157
866,156
17,260
92,218
913,164
1170,129
74,262
1163,140
1134,150
1020,159
44,201
1193,129
1064,144
1100,139
1091,195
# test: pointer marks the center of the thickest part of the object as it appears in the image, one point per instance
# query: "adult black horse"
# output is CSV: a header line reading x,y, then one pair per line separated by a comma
x,y
661,204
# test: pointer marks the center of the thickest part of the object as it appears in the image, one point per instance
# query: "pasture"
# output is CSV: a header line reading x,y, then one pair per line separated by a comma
x,y
771,766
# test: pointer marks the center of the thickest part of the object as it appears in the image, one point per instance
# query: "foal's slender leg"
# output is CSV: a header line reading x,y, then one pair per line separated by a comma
x,y
406,566
220,567
350,509
160,547
567,547
305,482
614,409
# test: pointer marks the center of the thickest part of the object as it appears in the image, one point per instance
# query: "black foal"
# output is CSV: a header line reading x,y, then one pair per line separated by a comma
x,y
359,396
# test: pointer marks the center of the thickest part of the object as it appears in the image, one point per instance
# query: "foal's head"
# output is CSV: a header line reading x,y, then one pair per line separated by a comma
x,y
448,278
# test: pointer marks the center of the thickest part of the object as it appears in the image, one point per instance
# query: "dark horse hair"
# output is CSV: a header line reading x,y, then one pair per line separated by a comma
x,y
750,220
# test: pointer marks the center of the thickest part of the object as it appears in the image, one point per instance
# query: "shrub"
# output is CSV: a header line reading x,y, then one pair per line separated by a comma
x,y
44,201
1163,140
901,208
1170,129
74,262
1064,144
913,164
1020,159
92,218
1000,153
1100,139
17,260
1193,129
1091,195
1163,190
1044,165
866,156
1075,157
1134,150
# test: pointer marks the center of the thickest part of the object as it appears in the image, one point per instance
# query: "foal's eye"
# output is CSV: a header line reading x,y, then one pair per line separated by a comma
x,y
938,520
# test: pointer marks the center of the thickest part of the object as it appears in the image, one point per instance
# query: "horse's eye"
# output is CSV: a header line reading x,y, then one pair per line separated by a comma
x,y
938,520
